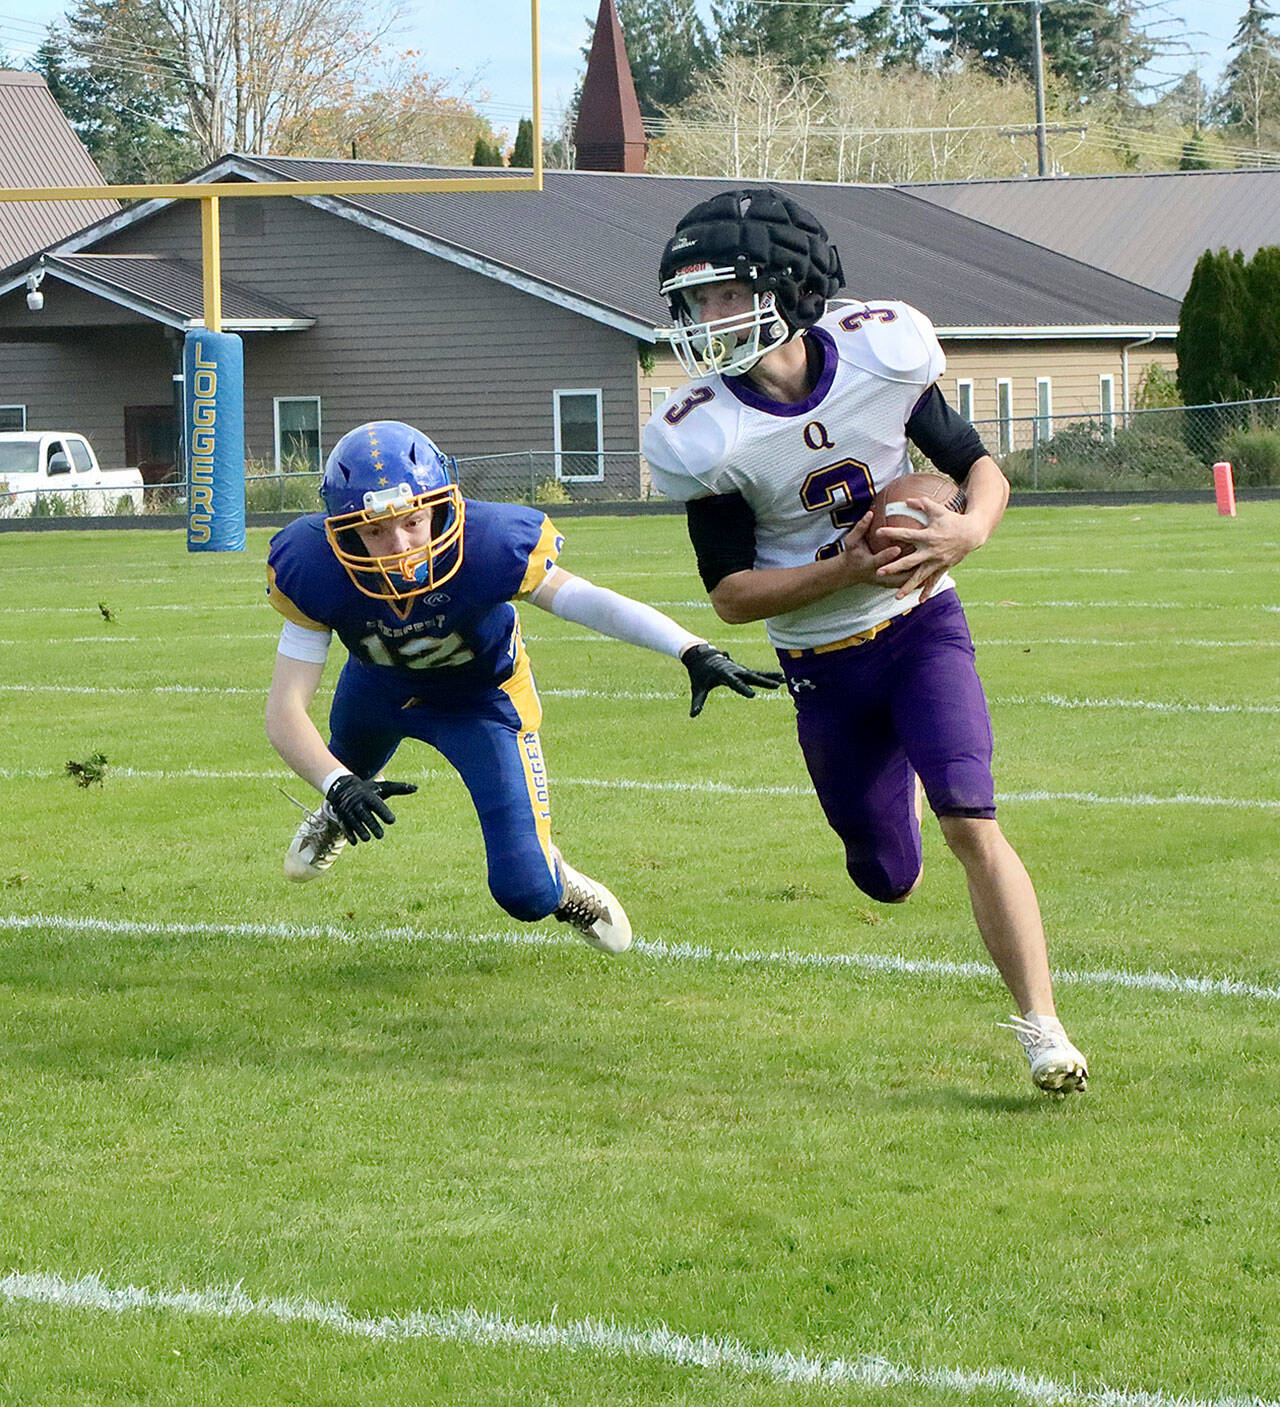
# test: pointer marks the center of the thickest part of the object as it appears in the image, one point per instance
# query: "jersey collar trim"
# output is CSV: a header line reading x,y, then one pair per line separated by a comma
x,y
743,389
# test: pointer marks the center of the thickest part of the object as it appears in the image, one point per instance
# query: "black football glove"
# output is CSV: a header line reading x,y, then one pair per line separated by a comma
x,y
709,668
359,805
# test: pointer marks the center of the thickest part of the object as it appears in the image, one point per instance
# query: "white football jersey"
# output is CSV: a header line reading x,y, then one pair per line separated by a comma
x,y
808,470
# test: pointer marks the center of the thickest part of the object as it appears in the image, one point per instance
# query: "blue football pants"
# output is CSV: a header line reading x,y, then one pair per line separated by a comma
x,y
490,737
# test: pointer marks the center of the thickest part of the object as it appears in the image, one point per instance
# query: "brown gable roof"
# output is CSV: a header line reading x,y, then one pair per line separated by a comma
x,y
39,148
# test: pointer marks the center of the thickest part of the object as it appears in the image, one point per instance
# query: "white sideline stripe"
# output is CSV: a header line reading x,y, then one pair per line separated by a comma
x,y
90,606
122,689
1064,570
876,964
659,1343
1088,798
970,601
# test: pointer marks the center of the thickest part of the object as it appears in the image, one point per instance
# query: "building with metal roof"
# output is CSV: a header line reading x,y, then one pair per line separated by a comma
x,y
1149,229
38,147
523,320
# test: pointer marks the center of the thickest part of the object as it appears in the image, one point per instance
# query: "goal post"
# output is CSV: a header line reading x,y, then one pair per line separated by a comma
x,y
207,530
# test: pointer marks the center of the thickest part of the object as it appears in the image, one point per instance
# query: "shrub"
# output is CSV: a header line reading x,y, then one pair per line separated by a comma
x,y
1254,456
296,488
551,491
1084,456
51,505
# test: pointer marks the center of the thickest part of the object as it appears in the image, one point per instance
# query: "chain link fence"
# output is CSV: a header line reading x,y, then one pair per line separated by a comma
x,y
1171,449
545,477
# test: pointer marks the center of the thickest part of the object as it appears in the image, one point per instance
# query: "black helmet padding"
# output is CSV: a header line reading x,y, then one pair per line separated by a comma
x,y
771,243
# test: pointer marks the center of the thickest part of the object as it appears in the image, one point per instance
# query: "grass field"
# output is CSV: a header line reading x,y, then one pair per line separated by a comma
x,y
368,1141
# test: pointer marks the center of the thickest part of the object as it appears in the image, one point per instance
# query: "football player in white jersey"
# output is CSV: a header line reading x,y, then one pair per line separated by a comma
x,y
795,418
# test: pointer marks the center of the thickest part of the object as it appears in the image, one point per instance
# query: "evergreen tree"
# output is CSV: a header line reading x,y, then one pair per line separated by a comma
x,y
802,38
1262,336
127,112
1249,100
897,35
1212,327
522,152
487,153
668,50
1088,48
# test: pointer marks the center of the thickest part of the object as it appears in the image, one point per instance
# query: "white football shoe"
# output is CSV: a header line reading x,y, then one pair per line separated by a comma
x,y
316,844
1056,1065
587,906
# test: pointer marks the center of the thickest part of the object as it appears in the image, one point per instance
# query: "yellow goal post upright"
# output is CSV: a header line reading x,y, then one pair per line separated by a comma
x,y
213,391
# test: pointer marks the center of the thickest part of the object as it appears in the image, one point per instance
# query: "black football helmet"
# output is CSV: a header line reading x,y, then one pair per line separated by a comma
x,y
760,238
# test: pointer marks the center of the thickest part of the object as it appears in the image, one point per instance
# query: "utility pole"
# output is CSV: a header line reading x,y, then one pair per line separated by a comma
x,y
1037,63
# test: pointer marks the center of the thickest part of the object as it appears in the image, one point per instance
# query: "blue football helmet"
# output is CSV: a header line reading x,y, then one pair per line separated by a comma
x,y
383,471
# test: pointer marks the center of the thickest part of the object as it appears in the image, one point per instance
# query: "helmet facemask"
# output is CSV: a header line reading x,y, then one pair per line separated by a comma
x,y
403,575
762,239
728,345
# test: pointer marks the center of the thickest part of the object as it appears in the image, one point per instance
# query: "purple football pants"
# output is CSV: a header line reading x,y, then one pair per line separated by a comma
x,y
873,717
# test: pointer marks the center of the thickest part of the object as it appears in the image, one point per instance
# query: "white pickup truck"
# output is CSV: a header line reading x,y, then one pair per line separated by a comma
x,y
56,472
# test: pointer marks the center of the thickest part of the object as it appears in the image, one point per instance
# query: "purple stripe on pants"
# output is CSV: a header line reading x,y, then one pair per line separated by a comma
x,y
873,717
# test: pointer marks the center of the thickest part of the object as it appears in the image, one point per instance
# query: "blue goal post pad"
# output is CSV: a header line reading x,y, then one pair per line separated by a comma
x,y
213,409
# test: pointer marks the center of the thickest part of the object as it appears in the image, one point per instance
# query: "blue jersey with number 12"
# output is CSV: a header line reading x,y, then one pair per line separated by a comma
x,y
465,634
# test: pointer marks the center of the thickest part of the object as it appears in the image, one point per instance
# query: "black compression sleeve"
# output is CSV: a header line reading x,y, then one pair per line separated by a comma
x,y
722,529
944,434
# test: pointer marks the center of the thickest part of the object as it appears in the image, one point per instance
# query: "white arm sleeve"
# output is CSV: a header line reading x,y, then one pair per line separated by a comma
x,y
298,643
620,617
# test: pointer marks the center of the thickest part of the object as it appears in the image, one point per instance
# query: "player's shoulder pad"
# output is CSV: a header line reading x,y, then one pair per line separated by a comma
x,y
688,436
504,518
888,338
498,541
300,544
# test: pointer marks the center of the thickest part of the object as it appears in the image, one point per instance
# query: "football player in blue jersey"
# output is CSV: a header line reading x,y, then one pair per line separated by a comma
x,y
419,583
797,416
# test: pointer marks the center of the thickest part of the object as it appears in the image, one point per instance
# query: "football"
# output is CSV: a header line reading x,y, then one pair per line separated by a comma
x,y
889,508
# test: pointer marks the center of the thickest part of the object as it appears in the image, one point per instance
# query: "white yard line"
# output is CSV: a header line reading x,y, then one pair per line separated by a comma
x,y
1084,798
595,1336
655,695
873,964
1149,705
698,603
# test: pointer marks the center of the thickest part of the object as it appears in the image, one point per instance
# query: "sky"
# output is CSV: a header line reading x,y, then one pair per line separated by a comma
x,y
487,44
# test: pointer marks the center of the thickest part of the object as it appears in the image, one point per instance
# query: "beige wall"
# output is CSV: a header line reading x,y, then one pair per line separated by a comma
x,y
1073,369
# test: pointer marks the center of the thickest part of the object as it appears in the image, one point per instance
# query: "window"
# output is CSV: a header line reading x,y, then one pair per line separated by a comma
x,y
1044,409
13,417
1004,414
1107,405
55,459
80,457
297,434
964,398
579,434
657,394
